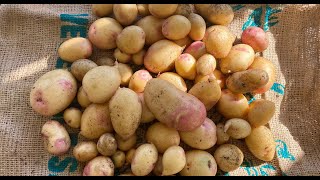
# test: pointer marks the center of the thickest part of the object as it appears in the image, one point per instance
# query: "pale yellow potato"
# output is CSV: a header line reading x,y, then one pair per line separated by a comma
x,y
157,170
184,9
125,14
173,160
126,144
82,98
152,26
228,157
222,137
176,27
119,158
146,116
122,57
102,10
107,144
196,49
198,27
137,58
131,39
162,10
237,128
72,116
125,72
184,42
139,80
174,79
201,78
260,112
99,166
143,9
129,155
218,27
206,64
74,49
221,14
85,151
80,67
105,61
185,66
144,159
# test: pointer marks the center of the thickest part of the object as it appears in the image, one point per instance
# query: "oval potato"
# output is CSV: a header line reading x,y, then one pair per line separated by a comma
x,y
131,39
99,166
173,160
260,112
144,159
125,14
198,27
85,151
162,10
176,27
175,79
237,128
228,157
74,49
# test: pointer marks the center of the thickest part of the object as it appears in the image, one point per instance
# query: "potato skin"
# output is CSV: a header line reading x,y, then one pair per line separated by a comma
x,y
185,66
126,144
137,58
74,49
85,151
105,61
125,14
102,10
82,98
72,116
80,67
228,157
221,14
256,38
260,112
99,166
196,49
198,27
122,57
219,28
125,72
107,144
139,80
184,42
173,160
53,92
119,158
185,9
176,27
131,39
143,9
175,79
222,137
144,159
146,115
237,128
174,107
206,64
152,26
162,10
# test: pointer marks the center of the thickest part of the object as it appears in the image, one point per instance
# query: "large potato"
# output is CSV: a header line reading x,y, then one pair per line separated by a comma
x,y
107,144
198,27
126,144
125,112
125,72
184,9
161,55
72,116
185,66
103,33
261,143
237,128
204,137
100,83
221,14
222,137
99,166
137,58
122,57
173,160
206,64
162,10
139,80
162,136
196,49
102,10
152,26
74,49
174,107
228,157
143,9
85,151
256,38
53,92
199,163
175,79
82,98
144,159
125,14
80,67
131,39
176,27
260,112
146,115
95,121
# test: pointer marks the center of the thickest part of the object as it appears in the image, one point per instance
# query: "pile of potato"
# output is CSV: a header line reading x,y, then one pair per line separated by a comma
x,y
173,47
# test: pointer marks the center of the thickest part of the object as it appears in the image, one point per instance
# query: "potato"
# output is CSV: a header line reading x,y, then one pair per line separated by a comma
x,y
139,80
56,138
125,14
221,14
126,144
221,79
53,92
196,49
122,57
80,67
185,66
125,72
260,112
100,83
144,159
161,55
162,136
74,49
239,58
85,151
176,27
105,61
102,10
228,157
174,79
173,107
184,9
232,105
129,155
107,144
131,40
184,42
204,137
198,27
143,9
152,26
268,66
137,58
173,160
199,163
99,166
222,137
201,78
206,64
125,112
119,158
261,143
82,98
72,116
208,92
157,170
237,128
219,28
162,10
256,38
146,115
103,33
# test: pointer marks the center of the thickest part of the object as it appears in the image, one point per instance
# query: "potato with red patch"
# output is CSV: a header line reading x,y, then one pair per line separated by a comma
x,y
162,10
256,38
186,66
131,39
176,27
125,14
196,49
74,49
99,166
139,80
152,27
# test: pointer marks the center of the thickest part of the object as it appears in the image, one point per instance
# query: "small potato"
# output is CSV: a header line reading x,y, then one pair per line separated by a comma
x,y
221,79
125,72
74,49
260,112
143,9
146,115
144,159
105,61
125,14
228,157
176,27
196,49
232,105
174,79
221,14
137,58
206,64
95,121
72,116
219,28
126,144
129,155
107,144
261,143
82,98
152,26
85,151
239,58
122,57
162,136
199,163
139,80
222,137
186,66
173,160
158,169
237,128
99,166
256,38
162,10
184,42
119,158
131,39
102,10
103,33
198,27
80,67
204,137
184,9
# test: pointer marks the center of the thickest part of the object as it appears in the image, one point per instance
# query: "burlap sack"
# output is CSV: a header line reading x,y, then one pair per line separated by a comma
x,y
31,34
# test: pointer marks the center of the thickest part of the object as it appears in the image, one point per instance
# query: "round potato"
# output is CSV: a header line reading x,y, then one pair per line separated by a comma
x,y
228,157
129,155
126,144
158,169
152,26
143,9
122,57
237,128
196,49
174,79
137,58
260,112
184,42
125,14
82,98
186,66
206,64
80,67
107,144
105,61
256,38
221,14
144,159
198,27
72,116
146,115
85,151
131,40
219,28
222,136
99,166
184,9
162,10
139,80
119,158
102,10
176,27
173,160
74,49
125,72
